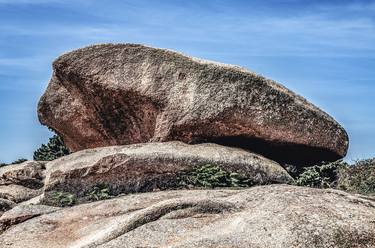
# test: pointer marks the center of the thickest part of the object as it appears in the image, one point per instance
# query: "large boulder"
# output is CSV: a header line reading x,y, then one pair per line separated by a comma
x,y
262,217
120,94
149,167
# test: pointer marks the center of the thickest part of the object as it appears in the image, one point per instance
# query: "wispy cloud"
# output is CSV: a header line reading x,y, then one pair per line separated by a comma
x,y
303,34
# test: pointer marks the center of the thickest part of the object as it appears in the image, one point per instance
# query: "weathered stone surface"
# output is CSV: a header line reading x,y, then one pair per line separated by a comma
x,y
150,166
122,94
18,193
33,201
29,174
22,213
5,205
266,216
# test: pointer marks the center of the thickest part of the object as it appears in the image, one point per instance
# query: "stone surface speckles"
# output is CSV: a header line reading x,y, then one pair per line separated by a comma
x,y
120,94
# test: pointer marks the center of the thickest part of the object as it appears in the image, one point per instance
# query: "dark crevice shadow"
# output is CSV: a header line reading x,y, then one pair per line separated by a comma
x,y
283,153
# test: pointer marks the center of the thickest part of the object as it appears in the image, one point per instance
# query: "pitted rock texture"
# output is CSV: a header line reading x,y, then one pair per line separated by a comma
x,y
5,205
29,174
18,193
22,213
266,216
150,166
120,94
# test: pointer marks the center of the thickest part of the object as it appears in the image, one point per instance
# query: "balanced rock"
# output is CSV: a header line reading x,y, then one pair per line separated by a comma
x,y
263,217
120,94
149,167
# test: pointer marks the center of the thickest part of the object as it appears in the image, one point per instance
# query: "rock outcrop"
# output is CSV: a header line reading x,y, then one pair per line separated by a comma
x,y
18,193
141,119
121,94
20,183
22,213
149,167
29,174
263,217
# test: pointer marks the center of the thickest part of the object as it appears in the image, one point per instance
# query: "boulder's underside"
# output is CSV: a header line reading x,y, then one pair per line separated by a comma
x,y
264,216
121,94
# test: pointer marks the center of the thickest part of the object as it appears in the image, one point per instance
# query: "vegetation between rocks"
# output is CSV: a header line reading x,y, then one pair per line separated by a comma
x,y
63,199
357,178
54,149
67,199
212,176
100,192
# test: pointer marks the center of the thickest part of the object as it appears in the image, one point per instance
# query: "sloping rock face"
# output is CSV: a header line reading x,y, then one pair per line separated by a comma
x,y
22,213
123,94
265,216
150,166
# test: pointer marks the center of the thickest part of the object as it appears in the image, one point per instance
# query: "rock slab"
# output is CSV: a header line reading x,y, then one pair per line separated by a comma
x,y
265,216
149,167
117,94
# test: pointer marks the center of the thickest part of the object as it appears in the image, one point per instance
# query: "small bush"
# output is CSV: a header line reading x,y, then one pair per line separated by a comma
x,y
358,178
321,176
54,149
3,164
100,192
211,176
63,199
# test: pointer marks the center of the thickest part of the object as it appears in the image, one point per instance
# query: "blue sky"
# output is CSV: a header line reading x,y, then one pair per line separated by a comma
x,y
323,50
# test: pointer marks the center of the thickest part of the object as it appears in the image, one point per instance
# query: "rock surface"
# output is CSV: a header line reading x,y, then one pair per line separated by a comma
x,y
18,193
265,216
22,213
5,205
29,174
150,166
122,94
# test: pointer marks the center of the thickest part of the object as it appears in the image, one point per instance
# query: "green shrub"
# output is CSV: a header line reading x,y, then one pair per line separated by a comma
x,y
54,149
3,164
63,199
358,178
321,176
212,176
100,192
